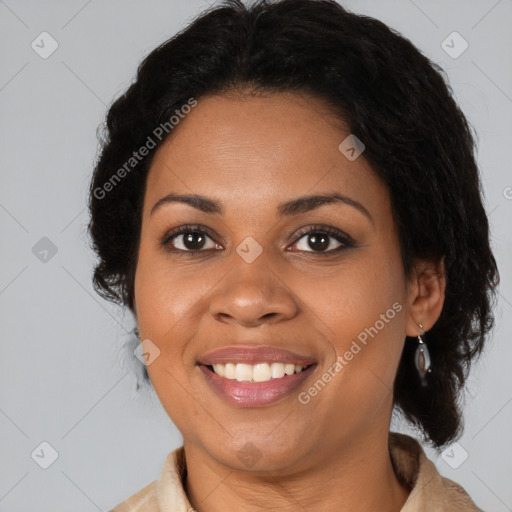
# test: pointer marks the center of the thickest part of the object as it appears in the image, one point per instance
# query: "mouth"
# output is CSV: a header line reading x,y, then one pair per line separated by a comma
x,y
253,393
255,376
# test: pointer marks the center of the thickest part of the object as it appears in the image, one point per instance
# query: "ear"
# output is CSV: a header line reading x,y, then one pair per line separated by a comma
x,y
426,292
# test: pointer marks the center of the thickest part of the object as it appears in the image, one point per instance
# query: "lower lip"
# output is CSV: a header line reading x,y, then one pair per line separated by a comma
x,y
255,394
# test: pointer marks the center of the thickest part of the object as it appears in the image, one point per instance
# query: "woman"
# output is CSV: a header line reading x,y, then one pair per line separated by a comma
x,y
287,201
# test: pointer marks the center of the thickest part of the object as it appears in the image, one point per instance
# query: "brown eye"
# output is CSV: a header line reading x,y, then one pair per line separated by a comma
x,y
323,240
319,241
194,240
189,239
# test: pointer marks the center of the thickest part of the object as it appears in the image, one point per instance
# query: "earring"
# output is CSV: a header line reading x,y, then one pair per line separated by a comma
x,y
422,359
136,332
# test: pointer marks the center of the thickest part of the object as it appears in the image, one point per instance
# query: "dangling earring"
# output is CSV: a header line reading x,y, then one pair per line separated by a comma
x,y
422,359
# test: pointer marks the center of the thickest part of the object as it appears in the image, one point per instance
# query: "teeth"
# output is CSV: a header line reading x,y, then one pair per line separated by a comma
x,y
277,370
261,372
229,370
289,369
243,372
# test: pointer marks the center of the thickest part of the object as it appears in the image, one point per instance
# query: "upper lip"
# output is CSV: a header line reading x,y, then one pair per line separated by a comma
x,y
254,355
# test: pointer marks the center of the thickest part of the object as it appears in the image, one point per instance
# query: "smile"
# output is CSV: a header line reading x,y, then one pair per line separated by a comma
x,y
251,393
255,376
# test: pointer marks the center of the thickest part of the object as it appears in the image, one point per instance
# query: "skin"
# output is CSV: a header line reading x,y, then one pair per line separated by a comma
x,y
251,153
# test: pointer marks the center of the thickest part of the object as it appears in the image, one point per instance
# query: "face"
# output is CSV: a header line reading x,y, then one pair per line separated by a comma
x,y
252,286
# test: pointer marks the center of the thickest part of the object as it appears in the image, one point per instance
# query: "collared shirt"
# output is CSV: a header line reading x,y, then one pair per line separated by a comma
x,y
429,491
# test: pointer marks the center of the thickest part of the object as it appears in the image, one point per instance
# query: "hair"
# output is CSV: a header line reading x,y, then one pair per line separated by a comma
x,y
393,98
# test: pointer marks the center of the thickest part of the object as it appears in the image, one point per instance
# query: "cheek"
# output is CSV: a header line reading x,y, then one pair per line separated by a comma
x,y
363,307
160,303
355,295
165,294
365,316
165,303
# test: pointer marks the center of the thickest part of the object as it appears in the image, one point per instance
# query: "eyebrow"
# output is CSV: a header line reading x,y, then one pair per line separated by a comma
x,y
293,207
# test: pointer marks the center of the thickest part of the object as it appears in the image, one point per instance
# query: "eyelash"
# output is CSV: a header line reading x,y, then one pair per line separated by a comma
x,y
339,236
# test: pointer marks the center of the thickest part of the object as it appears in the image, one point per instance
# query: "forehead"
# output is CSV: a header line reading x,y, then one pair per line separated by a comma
x,y
253,150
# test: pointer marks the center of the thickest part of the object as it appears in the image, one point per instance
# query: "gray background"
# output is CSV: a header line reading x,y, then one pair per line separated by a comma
x,y
65,378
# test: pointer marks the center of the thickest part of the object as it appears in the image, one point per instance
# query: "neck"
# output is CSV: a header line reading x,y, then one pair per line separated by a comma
x,y
358,477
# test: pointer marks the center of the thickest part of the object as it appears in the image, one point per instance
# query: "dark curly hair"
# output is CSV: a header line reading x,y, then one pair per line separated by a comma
x,y
393,98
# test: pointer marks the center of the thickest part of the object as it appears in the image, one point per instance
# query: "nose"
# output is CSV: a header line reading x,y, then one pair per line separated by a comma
x,y
252,294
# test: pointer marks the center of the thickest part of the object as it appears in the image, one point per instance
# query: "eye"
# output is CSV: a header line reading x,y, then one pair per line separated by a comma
x,y
323,239
189,239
